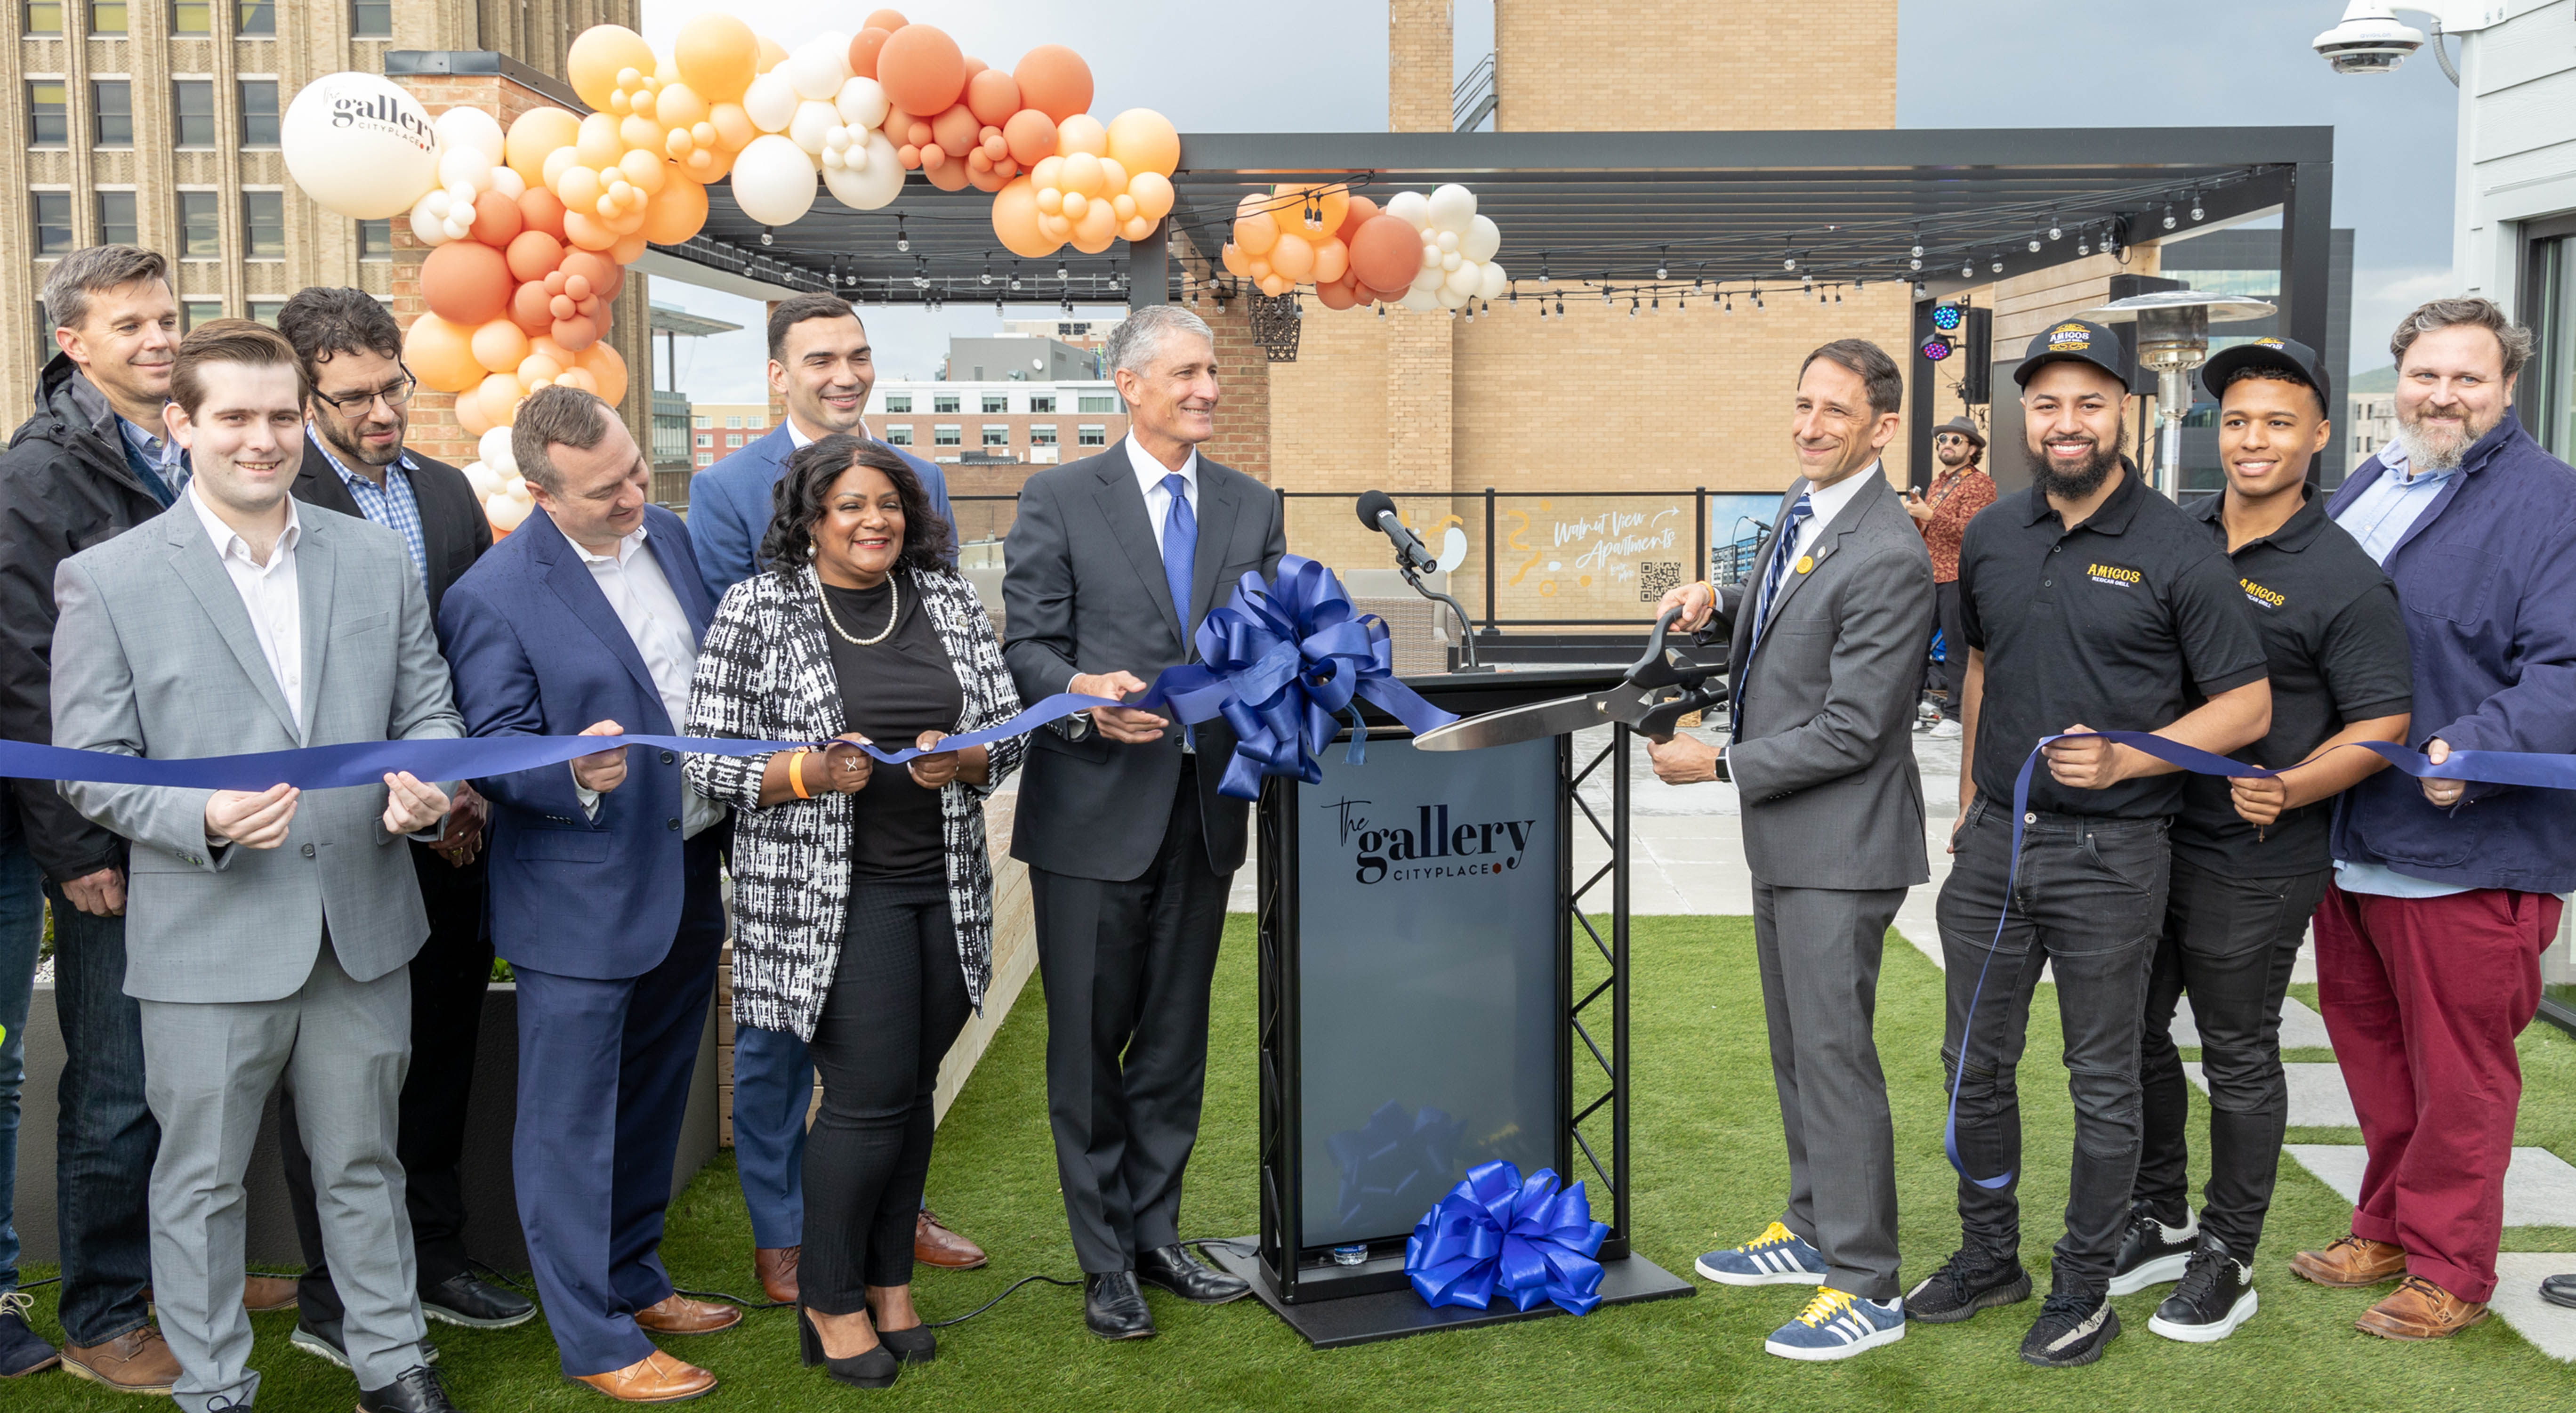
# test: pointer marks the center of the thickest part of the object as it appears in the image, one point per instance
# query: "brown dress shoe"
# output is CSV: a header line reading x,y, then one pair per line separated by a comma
x,y
677,1314
2419,1309
266,1295
655,1378
936,1245
776,1266
2352,1262
137,1361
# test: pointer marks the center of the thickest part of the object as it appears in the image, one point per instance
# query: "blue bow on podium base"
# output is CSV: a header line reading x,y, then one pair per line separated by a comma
x,y
1530,1241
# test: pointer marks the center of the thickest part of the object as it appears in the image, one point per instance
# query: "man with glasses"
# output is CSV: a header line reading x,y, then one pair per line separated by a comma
x,y
357,409
1942,512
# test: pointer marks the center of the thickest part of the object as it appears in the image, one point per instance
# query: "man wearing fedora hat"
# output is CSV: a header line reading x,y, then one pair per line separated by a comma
x,y
1942,511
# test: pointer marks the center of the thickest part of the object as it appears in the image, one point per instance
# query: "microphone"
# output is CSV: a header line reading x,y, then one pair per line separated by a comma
x,y
1377,511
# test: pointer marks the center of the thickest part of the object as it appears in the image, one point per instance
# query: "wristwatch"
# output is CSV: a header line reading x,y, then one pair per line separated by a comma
x,y
1724,777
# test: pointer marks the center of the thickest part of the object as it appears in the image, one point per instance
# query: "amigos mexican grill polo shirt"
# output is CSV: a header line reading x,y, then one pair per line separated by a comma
x,y
2110,624
2336,639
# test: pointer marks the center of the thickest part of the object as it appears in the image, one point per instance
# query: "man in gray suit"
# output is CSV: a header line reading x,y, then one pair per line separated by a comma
x,y
1824,665
267,935
1113,560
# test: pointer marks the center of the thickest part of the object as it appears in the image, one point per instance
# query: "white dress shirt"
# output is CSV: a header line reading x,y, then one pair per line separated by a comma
x,y
632,581
796,435
269,593
1149,479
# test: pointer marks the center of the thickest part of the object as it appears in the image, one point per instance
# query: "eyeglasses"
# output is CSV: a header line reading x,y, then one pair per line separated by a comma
x,y
396,395
1949,439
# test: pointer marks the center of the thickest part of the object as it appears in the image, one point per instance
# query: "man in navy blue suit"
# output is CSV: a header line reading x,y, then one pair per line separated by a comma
x,y
603,876
821,366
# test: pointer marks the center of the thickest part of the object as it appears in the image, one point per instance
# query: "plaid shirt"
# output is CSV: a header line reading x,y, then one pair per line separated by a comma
x,y
391,505
1956,498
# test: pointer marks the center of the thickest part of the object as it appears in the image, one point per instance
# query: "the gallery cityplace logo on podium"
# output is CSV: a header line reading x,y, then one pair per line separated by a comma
x,y
1427,844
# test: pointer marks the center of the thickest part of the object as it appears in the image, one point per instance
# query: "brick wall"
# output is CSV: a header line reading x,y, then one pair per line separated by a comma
x,y
1419,40
1243,426
1673,66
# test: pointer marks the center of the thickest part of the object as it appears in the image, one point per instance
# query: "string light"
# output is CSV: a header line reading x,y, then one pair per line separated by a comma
x,y
1660,271
2169,216
2034,244
1560,308
1968,270
2196,212
2055,231
1632,306
902,238
766,238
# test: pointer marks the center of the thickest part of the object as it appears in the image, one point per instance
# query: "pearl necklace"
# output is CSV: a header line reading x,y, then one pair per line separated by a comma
x,y
894,612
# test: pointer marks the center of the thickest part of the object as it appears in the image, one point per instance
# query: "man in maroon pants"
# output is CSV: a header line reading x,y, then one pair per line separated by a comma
x,y
2429,939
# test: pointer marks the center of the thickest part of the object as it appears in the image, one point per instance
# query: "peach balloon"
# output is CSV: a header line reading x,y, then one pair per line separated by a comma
x,y
1257,268
1054,80
1081,133
600,143
532,309
576,333
921,69
645,171
864,48
541,210
580,189
1360,209
536,370
987,178
679,106
544,346
441,354
733,127
1336,294
1332,262
637,131
1015,221
1082,174
1030,135
533,255
1387,252
887,20
1097,229
717,55
586,231
772,54
994,95
579,378
1135,228
1234,261
1292,258
1276,285
602,363
933,157
597,55
558,162
1256,233
500,344
955,130
628,248
466,282
498,397
677,212
1153,193
537,132
1145,141
497,221
947,176
469,416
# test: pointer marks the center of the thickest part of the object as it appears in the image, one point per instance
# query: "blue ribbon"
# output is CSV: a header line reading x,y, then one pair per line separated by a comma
x,y
2545,771
1529,1240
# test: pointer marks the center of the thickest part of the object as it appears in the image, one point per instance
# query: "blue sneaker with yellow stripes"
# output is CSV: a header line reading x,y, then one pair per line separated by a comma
x,y
1778,1256
1838,1326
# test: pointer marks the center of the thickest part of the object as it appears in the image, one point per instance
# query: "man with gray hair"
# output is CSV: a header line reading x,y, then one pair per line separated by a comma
x,y
1113,560
2446,892
92,463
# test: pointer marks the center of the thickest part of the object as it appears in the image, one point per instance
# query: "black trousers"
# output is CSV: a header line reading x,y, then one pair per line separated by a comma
x,y
1127,966
2230,942
1952,671
897,1002
448,979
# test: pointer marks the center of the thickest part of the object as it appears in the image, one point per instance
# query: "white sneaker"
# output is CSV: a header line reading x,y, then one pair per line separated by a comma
x,y
1945,730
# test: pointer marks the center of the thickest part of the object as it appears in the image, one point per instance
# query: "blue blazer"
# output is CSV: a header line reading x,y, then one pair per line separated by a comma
x,y
537,651
730,503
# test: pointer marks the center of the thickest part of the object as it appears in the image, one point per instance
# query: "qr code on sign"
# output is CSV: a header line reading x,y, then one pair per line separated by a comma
x,y
1654,580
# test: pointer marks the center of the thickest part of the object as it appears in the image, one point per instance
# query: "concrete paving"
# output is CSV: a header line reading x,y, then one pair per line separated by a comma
x,y
2550,1328
2301,1027
2318,1098
2539,1186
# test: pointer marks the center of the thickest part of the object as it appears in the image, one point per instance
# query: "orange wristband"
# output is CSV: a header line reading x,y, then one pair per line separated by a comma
x,y
796,773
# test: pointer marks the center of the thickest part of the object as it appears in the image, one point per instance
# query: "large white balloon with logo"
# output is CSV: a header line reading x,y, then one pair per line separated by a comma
x,y
360,146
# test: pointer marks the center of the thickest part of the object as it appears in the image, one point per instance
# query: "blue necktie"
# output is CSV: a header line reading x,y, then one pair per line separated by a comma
x,y
1772,579
1180,551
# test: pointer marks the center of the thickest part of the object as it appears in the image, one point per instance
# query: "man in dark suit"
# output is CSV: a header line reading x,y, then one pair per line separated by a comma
x,y
1825,659
1113,560
358,406
587,620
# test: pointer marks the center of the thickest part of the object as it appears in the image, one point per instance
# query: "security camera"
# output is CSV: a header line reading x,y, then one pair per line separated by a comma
x,y
2369,41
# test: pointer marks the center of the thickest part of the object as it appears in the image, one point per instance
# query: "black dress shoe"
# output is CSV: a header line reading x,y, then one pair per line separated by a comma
x,y
878,1368
464,1299
414,1390
324,1339
1176,1270
2559,1290
1114,1308
918,1345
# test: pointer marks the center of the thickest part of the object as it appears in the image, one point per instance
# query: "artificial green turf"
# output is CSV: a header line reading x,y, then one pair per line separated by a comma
x,y
1709,1172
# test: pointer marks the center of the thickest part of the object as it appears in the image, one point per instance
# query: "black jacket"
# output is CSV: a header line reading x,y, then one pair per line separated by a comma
x,y
64,486
453,528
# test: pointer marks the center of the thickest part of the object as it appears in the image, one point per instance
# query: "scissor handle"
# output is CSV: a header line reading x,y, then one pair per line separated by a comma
x,y
1654,657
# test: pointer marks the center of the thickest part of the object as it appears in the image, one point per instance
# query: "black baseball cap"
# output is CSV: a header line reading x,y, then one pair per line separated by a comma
x,y
2288,355
2077,341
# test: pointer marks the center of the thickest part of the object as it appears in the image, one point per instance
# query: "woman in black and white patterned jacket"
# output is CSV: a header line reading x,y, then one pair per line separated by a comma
x,y
863,895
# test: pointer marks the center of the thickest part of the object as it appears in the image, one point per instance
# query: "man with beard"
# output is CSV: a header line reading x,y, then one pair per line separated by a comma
x,y
357,407
2091,603
1958,491
2429,940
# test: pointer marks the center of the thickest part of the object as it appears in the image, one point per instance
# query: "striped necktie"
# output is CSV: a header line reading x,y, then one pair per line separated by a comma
x,y
1772,579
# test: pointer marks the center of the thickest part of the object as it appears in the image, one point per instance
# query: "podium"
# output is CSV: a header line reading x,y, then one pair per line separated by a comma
x,y
1437,991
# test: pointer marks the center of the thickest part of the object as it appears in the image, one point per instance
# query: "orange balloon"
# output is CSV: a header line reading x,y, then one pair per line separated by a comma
x,y
498,396
1387,253
579,378
887,20
1336,295
466,282
532,309
441,354
1235,262
994,95
600,143
921,69
497,221
1257,233
597,54
544,346
1142,140
590,268
1360,209
500,345
1292,258
533,255
1097,229
535,133
1015,221
675,213
587,231
536,370
576,333
1153,194
1030,135
717,55
772,54
541,210
469,416
956,130
985,178
864,47
628,247
1054,80
603,364
947,176
1332,262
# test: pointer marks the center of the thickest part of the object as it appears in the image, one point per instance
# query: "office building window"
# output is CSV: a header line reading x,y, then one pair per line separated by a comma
x,y
264,225
1094,435
898,402
376,240
899,436
192,112
757,420
53,213
1042,402
192,16
995,404
199,311
947,434
43,16
265,310
706,459
1097,402
702,421
116,218
734,421
255,17
258,112
2548,386
705,438
107,17
111,103
49,121
943,402
371,19
733,439
1042,434
201,225
996,434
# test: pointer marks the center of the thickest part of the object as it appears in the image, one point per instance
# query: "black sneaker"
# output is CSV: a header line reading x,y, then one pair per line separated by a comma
x,y
2152,1253
2072,1330
462,1299
2216,1296
1968,1282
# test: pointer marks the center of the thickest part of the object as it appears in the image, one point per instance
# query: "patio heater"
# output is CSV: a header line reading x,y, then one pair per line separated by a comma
x,y
2173,341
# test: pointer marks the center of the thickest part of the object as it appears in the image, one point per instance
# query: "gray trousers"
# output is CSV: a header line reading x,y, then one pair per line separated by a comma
x,y
1819,950
341,1048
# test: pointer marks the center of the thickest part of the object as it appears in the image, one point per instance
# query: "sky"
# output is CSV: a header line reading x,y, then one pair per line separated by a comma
x,y
1960,63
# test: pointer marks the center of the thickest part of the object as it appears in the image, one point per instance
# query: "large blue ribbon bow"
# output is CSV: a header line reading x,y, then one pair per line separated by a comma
x,y
1280,662
1531,1241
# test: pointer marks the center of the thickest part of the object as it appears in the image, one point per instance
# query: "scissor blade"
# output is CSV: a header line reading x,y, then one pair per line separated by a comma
x,y
1532,722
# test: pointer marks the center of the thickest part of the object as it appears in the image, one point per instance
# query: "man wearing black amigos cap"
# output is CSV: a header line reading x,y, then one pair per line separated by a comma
x,y
2091,603
2250,856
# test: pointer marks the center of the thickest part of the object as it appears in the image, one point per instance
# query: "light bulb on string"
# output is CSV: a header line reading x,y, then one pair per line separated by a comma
x,y
1999,265
1632,306
2197,213
2034,245
1968,270
1660,271
2169,216
2055,231
902,238
766,238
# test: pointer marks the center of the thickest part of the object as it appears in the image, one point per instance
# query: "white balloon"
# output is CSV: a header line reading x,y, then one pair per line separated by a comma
x,y
862,102
1482,239
770,102
773,181
813,119
1447,241
494,450
1464,280
1429,278
1430,256
1411,207
1420,300
359,145
1450,299
470,127
430,225
1450,261
460,226
819,66
1451,208
1494,282
869,177
480,477
506,513
508,182
466,167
